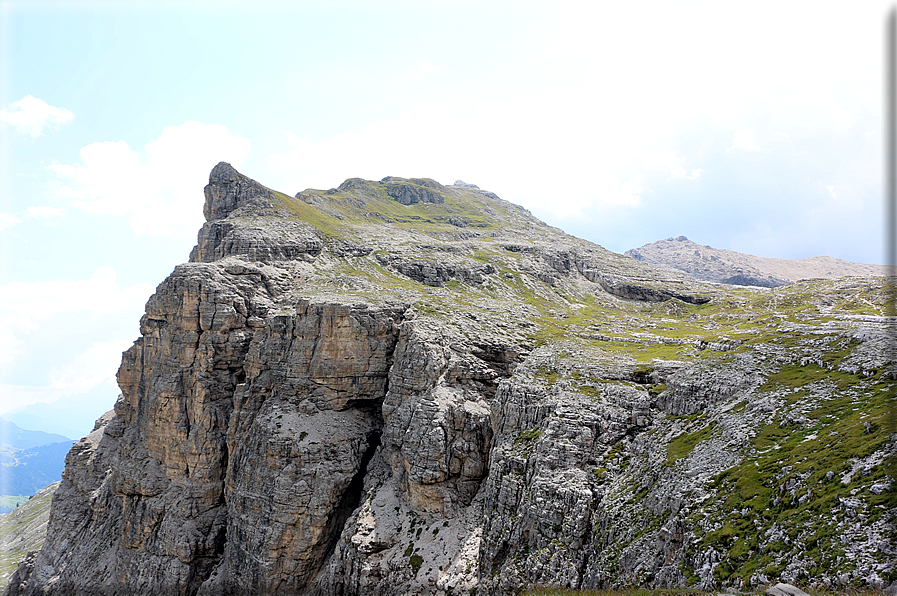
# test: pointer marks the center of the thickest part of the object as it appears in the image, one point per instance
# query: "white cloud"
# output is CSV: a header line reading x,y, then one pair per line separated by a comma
x,y
687,68
25,307
8,220
669,164
32,116
844,200
605,109
94,367
44,212
555,153
98,363
160,190
14,397
64,337
745,141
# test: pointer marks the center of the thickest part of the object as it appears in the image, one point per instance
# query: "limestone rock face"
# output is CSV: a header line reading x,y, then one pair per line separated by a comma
x,y
232,199
348,393
409,192
228,190
219,239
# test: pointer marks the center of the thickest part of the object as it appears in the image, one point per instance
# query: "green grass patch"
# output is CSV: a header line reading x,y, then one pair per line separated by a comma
x,y
684,444
588,390
795,376
793,480
528,436
415,561
12,501
368,203
12,529
549,375
657,389
329,226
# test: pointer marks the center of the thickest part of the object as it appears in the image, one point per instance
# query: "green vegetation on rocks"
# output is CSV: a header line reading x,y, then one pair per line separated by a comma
x,y
403,360
23,530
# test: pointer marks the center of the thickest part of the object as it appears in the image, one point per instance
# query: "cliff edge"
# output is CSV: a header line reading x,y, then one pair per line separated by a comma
x,y
403,387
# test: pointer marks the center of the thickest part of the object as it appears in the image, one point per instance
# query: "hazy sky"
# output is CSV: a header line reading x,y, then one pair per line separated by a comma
x,y
749,126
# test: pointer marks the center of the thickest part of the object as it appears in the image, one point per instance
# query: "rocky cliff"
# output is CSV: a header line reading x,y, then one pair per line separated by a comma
x,y
730,267
401,387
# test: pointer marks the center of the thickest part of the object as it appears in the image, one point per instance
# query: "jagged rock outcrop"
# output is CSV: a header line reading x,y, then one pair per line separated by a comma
x,y
416,190
347,393
436,274
231,200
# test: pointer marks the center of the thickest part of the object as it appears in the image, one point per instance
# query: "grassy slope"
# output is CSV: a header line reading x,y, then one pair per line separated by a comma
x,y
23,530
847,413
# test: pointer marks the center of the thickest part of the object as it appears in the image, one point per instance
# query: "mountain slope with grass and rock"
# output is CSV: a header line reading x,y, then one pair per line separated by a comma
x,y
23,530
404,387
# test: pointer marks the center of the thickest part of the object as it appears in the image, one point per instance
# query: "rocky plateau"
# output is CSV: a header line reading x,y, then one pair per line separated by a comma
x,y
408,388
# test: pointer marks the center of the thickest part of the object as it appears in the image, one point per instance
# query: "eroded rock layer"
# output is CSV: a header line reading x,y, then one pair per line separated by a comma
x,y
400,387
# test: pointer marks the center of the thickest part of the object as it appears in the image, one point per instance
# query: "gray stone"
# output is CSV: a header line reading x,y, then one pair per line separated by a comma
x,y
781,589
366,408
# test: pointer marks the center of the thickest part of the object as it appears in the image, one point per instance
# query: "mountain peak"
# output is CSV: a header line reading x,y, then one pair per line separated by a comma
x,y
403,387
228,190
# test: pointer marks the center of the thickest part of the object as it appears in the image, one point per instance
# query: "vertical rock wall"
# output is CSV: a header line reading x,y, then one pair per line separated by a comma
x,y
268,443
234,446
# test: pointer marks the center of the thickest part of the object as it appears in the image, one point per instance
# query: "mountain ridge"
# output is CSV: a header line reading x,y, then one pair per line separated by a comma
x,y
20,438
402,387
29,461
730,267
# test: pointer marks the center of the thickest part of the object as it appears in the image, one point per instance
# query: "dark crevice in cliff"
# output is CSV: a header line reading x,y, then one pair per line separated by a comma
x,y
351,498
630,291
501,358
642,376
588,539
501,556
203,567
372,405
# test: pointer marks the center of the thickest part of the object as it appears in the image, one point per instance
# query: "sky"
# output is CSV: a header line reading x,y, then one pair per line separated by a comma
x,y
754,127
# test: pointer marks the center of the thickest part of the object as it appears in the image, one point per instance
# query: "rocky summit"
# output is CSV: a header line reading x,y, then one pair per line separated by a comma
x,y
403,387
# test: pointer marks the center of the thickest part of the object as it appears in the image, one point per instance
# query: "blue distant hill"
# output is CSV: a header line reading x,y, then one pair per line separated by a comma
x,y
20,438
29,461
70,416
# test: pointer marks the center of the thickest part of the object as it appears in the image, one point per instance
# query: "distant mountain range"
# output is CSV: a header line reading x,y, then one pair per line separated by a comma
x,y
71,416
29,461
20,438
730,267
